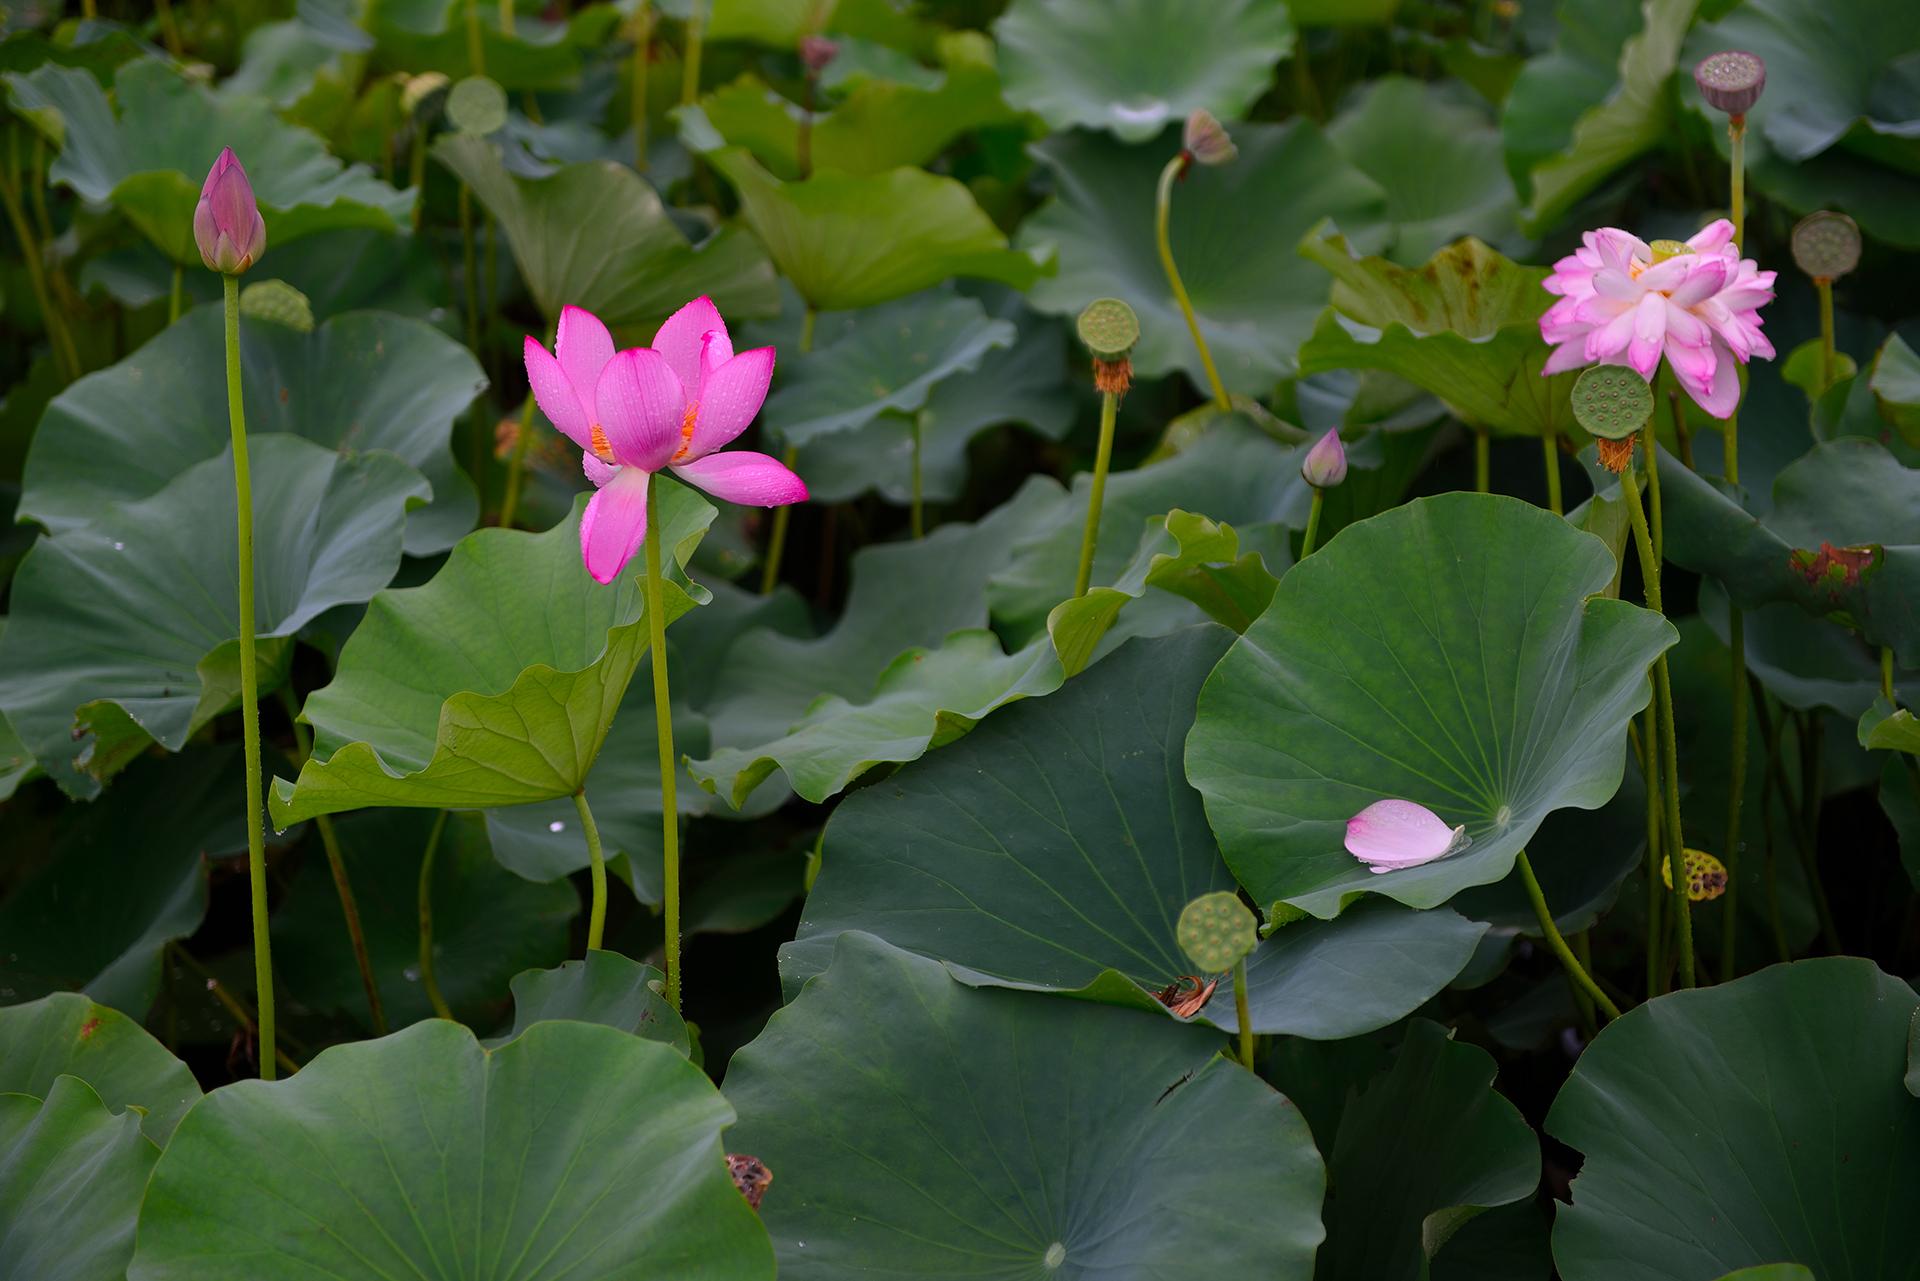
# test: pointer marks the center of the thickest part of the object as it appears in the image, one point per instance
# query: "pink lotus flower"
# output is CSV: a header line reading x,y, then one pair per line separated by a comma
x,y
1621,303
671,405
1389,835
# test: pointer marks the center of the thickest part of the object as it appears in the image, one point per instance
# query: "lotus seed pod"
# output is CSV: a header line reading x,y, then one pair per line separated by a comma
x,y
1706,875
1206,139
1826,245
279,303
478,106
1217,931
1612,402
1731,80
1665,249
1109,328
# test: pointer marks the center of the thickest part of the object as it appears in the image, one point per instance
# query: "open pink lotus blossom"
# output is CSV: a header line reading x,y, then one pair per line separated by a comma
x,y
671,405
1389,835
1621,303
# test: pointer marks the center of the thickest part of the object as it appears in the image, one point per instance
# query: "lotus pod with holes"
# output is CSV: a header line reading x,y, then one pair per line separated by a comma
x,y
1217,931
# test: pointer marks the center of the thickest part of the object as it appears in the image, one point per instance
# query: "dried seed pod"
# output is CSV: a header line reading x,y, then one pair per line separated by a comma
x,y
1731,80
1826,245
751,1176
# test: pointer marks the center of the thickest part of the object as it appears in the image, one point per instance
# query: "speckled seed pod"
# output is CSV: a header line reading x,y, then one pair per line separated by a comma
x,y
1826,245
1706,875
1731,80
1109,328
1217,930
1612,402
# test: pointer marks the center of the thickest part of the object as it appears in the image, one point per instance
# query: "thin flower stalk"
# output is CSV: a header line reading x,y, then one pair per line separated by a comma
x,y
429,980
1205,143
783,516
597,860
1243,1017
1557,944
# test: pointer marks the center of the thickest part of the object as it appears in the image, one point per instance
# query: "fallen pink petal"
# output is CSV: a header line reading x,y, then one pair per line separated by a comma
x,y
1394,834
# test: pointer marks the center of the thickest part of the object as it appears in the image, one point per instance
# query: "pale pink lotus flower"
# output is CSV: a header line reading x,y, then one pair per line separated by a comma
x,y
671,405
1621,303
1389,835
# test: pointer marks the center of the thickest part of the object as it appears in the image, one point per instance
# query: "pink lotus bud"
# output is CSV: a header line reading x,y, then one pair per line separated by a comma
x,y
226,223
816,52
1326,463
1206,140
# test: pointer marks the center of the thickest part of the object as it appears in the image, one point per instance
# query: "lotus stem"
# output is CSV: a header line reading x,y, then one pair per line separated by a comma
x,y
1667,750
1583,951
1823,286
1482,461
88,11
234,1005
428,980
506,17
596,872
174,293
803,147
918,513
669,763
690,76
1772,882
1655,521
783,516
1737,200
517,465
470,268
1090,536
476,50
66,355
417,172
1162,218
1550,455
349,904
249,681
1557,944
1682,438
642,49
1644,738
1736,780
169,29
1308,540
1243,1018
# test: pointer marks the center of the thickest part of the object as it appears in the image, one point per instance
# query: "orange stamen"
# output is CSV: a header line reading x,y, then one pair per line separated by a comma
x,y
686,433
601,448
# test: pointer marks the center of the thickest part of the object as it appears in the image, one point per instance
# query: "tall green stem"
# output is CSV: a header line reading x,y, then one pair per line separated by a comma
x,y
1482,461
1736,620
428,980
663,726
1240,1013
1162,218
1668,749
65,353
690,77
1557,944
596,872
476,49
1090,536
517,465
783,516
1309,540
1823,286
1886,674
506,17
417,172
249,682
1737,202
642,48
919,434
1550,455
1647,739
469,260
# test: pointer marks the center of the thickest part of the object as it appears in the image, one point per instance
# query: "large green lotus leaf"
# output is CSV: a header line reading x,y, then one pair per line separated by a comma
x,y
1418,1150
1804,661
1465,327
488,924
1842,539
848,240
1232,232
596,235
888,359
71,1175
1133,66
1634,116
1761,1121
903,595
924,698
1438,158
150,148
431,35
123,631
605,988
492,684
1016,384
572,1150
66,1034
362,381
1894,379
1234,473
879,125
928,1128
1055,846
1454,652
97,912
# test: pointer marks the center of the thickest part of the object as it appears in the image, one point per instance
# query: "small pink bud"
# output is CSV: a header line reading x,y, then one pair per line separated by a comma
x,y
816,52
1206,139
1326,463
226,223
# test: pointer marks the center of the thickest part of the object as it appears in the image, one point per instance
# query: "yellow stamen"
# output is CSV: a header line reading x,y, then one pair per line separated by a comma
x,y
686,433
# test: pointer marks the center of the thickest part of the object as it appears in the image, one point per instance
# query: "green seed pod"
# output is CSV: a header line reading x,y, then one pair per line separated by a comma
x,y
1826,245
1217,931
1665,249
1109,328
477,106
1612,402
278,302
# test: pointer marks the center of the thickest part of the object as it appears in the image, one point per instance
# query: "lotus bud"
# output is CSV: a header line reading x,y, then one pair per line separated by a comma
x,y
1326,463
1110,329
816,52
1206,140
226,223
1731,81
